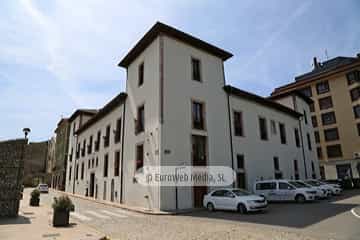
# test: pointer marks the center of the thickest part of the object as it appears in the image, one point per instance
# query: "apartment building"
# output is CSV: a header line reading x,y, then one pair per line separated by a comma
x,y
334,86
178,110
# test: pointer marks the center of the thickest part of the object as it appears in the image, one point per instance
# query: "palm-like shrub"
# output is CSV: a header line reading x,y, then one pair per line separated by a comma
x,y
63,203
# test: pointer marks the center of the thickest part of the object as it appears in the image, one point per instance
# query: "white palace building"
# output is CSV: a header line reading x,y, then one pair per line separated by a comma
x,y
178,110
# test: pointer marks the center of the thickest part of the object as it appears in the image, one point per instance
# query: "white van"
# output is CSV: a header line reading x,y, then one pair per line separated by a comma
x,y
283,190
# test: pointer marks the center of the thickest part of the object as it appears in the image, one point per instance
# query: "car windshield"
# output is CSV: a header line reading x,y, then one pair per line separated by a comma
x,y
240,192
296,184
313,183
299,184
43,185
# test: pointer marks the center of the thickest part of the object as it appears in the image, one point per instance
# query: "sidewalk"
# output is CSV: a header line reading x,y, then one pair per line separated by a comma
x,y
35,223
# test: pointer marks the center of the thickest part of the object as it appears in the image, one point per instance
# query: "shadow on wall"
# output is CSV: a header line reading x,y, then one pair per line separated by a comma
x,y
289,214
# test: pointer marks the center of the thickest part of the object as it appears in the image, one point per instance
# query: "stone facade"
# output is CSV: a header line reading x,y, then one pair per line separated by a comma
x,y
11,176
50,162
35,163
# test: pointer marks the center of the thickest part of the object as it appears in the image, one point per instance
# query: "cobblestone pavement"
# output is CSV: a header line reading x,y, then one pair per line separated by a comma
x,y
327,219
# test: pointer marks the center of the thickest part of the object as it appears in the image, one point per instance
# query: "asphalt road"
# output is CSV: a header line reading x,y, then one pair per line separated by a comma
x,y
337,218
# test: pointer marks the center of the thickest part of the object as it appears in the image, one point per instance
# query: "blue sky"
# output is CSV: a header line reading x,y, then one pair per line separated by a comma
x,y
56,56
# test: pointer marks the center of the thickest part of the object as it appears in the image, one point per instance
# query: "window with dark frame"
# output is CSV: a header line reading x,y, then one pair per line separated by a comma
x,y
83,148
325,103
141,74
296,170
314,121
273,127
89,149
305,117
89,164
106,165
140,121
97,142
198,118
358,128
78,151
353,77
107,136
117,135
70,171
319,152
317,136
276,164
97,162
322,87
355,94
238,124
71,154
331,134
117,163
263,129
77,172
334,151
139,156
297,137
306,91
82,171
328,118
282,131
240,161
312,107
309,141
196,69
356,109
313,175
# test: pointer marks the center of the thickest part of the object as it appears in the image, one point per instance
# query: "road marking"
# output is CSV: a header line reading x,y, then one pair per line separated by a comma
x,y
97,215
354,213
79,216
128,213
114,214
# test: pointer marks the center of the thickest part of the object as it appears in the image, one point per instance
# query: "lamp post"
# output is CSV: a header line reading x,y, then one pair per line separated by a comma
x,y
26,132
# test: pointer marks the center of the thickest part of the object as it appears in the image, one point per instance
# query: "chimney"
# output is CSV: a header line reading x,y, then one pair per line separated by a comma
x,y
316,63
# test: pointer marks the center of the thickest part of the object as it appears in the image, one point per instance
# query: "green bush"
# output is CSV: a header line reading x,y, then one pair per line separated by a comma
x,y
63,203
35,194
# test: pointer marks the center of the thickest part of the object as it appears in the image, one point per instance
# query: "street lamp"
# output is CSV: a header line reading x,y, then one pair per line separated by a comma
x,y
26,132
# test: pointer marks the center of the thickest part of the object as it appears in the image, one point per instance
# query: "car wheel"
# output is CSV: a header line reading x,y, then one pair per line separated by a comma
x,y
210,207
242,208
300,198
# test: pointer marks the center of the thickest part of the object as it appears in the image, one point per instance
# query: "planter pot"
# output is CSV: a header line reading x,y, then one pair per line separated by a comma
x,y
34,202
61,218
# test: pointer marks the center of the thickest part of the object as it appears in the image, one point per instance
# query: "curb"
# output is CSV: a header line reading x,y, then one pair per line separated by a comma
x,y
122,206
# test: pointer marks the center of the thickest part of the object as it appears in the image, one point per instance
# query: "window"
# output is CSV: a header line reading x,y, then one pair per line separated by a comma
x,y
306,91
219,193
284,186
78,151
198,113
104,192
92,162
305,117
263,129
240,161
313,170
74,128
82,171
317,136
276,164
355,93
141,74
140,121
309,141
238,124
117,131
107,136
139,156
357,111
358,128
77,172
196,71
353,77
90,145
331,134
296,170
328,118
297,138
241,180
334,151
322,172
266,186
273,127
314,121
70,170
89,164
117,163
282,133
325,103
97,161
97,142
106,165
71,154
319,152
83,148
312,107
322,87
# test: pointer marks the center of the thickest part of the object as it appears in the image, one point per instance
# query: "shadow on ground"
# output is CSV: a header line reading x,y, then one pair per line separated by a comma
x,y
15,220
289,214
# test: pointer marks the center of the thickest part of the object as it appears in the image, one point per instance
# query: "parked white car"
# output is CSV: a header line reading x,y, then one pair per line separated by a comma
x,y
283,190
321,192
234,199
43,188
335,189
